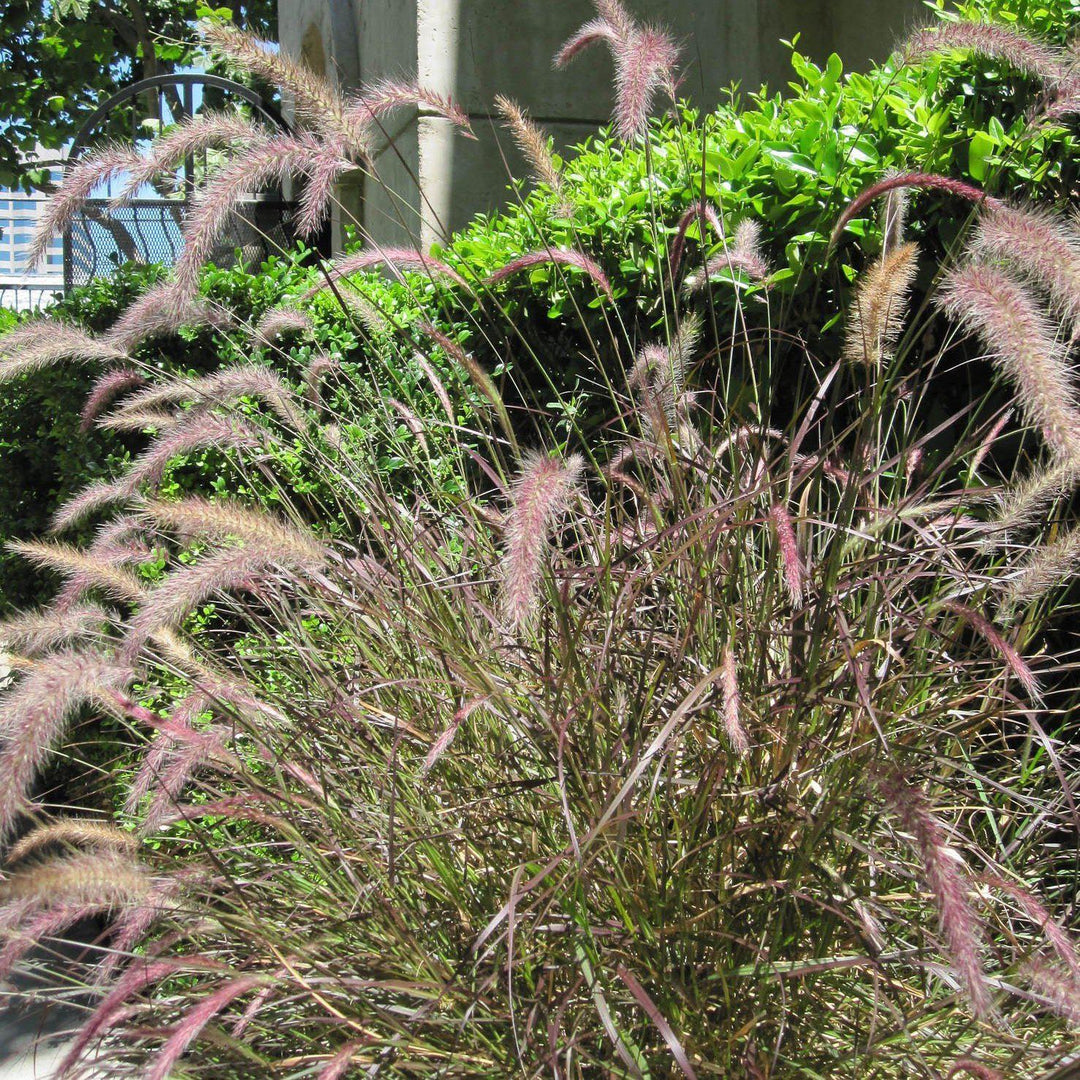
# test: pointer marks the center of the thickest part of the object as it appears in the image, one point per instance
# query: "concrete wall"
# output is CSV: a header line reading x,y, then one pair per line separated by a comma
x,y
431,180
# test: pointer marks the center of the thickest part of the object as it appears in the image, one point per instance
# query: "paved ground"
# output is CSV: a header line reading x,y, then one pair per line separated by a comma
x,y
35,1025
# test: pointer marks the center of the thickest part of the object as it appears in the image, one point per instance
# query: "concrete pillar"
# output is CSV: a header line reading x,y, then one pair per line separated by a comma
x,y
431,180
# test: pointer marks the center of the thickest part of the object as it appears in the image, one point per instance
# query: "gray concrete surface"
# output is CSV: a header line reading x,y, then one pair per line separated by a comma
x,y
36,1020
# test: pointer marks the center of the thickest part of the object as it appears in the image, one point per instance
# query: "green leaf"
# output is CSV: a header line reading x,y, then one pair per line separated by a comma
x,y
980,148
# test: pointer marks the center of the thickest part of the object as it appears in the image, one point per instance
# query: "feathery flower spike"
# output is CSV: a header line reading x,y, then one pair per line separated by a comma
x,y
559,256
645,60
994,638
106,390
531,141
1022,342
930,181
991,40
947,883
729,688
876,318
1041,248
794,571
542,494
80,179
34,713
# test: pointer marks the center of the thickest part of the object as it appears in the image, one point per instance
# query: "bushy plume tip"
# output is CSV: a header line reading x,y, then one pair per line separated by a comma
x,y
791,560
77,833
80,180
316,103
702,212
994,41
41,343
645,60
1041,248
1022,342
731,702
162,309
973,1068
96,496
996,640
196,431
194,135
896,181
196,1019
270,161
397,260
1047,567
194,516
376,101
531,141
542,492
106,390
34,632
34,713
93,570
278,321
561,257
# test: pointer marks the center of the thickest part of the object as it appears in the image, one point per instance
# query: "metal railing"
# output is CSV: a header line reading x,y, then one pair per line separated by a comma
x,y
23,297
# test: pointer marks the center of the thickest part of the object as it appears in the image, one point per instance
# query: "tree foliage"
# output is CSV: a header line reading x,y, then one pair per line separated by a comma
x,y
59,60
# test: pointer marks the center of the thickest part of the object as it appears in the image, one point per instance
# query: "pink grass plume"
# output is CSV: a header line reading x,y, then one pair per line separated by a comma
x,y
996,640
947,883
791,560
80,180
374,102
1040,247
189,1027
927,181
1022,343
995,41
559,256
731,702
397,260
541,495
34,714
106,390
645,60
702,213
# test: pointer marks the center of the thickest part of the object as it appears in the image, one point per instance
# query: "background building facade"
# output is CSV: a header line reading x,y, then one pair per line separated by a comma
x,y
22,288
475,49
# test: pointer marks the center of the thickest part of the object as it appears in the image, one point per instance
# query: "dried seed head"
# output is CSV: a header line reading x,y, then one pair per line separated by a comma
x,y
876,318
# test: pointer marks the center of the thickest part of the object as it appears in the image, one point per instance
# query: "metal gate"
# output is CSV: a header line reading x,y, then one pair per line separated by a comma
x,y
148,228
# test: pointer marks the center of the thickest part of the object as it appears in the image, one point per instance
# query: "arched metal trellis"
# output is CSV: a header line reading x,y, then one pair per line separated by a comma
x,y
148,228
